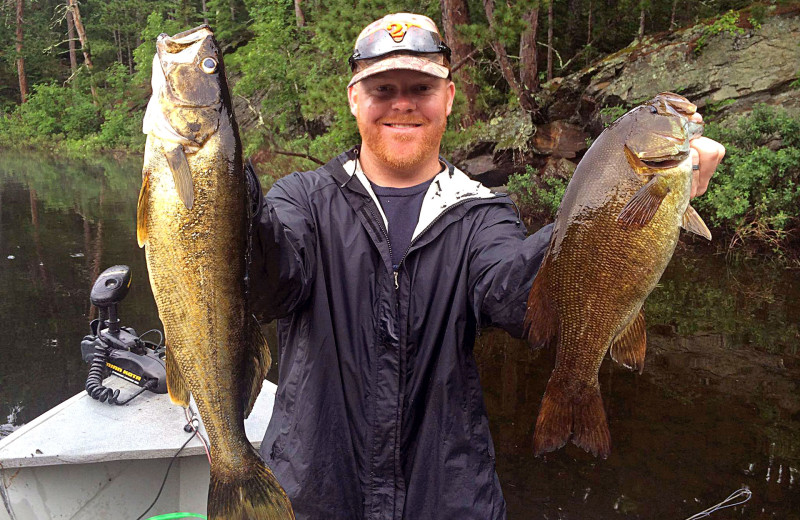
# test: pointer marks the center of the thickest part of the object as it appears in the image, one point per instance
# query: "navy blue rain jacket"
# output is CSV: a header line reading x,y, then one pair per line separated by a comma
x,y
379,411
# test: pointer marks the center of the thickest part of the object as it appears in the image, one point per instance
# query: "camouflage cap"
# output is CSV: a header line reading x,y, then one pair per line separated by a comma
x,y
400,41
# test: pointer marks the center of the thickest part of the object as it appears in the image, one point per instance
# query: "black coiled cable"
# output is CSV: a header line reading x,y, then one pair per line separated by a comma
x,y
94,381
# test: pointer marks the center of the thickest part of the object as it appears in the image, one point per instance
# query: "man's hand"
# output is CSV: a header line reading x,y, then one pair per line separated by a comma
x,y
707,154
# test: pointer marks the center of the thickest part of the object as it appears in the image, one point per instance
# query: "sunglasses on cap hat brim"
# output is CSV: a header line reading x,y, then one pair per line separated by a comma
x,y
415,41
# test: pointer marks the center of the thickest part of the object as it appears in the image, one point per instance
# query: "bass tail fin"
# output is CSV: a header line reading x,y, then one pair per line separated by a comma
x,y
572,412
259,495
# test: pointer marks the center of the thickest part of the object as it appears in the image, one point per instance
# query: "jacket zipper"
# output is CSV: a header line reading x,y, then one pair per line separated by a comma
x,y
388,243
421,233
434,221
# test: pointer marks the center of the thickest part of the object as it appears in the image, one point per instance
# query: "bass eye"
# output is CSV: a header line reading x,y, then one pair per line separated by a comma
x,y
209,65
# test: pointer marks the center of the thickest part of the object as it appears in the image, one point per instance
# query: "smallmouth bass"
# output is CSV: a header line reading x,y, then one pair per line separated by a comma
x,y
615,233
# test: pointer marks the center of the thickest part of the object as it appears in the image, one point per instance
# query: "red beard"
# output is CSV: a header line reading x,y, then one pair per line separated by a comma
x,y
403,152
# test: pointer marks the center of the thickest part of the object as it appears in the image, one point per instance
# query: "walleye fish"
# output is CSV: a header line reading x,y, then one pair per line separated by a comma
x,y
193,220
614,235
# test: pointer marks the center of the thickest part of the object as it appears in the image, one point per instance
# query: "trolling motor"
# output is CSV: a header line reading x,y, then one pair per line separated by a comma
x,y
114,349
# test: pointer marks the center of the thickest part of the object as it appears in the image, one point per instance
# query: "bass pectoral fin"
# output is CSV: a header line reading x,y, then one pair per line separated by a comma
x,y
182,175
639,211
629,347
176,385
692,222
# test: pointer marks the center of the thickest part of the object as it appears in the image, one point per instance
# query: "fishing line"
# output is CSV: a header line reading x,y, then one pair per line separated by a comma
x,y
194,422
166,474
160,337
742,495
170,516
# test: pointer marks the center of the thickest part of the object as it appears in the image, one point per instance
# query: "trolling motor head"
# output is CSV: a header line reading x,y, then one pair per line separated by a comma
x,y
109,289
111,348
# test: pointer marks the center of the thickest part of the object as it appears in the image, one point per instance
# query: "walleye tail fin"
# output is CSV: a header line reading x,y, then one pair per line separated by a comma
x,y
628,349
258,495
258,362
579,413
693,223
141,212
541,320
176,385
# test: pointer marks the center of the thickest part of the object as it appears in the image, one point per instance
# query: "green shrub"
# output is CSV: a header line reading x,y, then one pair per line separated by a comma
x,y
538,199
754,193
610,114
58,112
727,23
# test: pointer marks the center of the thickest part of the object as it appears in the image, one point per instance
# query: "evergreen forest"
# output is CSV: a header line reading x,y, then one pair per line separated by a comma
x,y
74,75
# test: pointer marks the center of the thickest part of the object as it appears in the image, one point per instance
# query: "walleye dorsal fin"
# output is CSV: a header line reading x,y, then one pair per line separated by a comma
x,y
176,158
141,211
176,384
638,212
541,320
692,222
628,348
257,363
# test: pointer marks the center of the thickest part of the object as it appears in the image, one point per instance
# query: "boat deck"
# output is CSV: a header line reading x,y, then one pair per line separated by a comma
x,y
85,459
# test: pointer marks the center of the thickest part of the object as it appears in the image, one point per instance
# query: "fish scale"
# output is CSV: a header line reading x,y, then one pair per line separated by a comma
x,y
614,235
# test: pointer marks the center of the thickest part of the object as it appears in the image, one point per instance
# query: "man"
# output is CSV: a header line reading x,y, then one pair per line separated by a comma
x,y
380,267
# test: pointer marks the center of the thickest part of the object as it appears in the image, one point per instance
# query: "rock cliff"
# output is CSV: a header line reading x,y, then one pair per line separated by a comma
x,y
724,69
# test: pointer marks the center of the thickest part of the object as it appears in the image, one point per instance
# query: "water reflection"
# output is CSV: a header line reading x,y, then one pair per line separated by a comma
x,y
61,223
717,407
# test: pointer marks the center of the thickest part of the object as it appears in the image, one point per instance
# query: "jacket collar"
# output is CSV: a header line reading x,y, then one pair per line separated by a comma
x,y
449,188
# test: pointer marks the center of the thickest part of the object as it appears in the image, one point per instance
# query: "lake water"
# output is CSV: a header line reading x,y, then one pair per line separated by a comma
x,y
716,409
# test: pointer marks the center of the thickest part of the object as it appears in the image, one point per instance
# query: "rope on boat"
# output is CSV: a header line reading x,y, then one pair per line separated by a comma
x,y
738,497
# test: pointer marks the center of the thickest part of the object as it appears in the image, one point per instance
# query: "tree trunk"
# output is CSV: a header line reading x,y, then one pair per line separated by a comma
x,y
23,79
205,13
73,58
118,42
574,12
672,23
298,13
641,21
589,29
505,64
550,39
87,58
454,13
130,57
528,63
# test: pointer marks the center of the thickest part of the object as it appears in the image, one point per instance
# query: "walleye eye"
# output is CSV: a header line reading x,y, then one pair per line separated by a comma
x,y
209,65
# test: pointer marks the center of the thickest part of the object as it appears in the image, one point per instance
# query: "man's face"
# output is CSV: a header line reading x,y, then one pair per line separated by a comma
x,y
402,115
